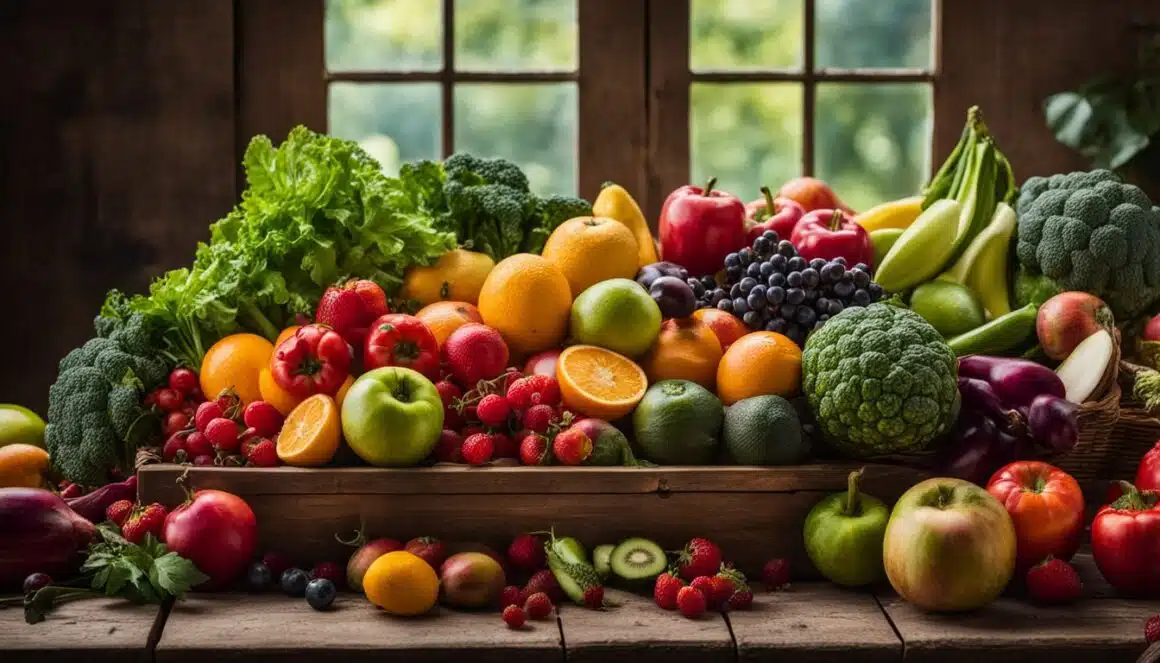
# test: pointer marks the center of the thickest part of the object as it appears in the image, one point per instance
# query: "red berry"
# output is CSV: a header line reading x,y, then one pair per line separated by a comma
x,y
276,562
723,590
174,422
330,571
478,448
701,557
473,429
449,448
118,511
505,446
452,419
207,412
543,581
151,398
538,418
691,602
448,392
1152,629
170,400
183,380
223,434
1053,581
197,444
262,453
492,410
533,390
203,460
195,395
775,574
594,597
513,616
174,445
572,446
142,521
742,599
533,449
538,606
705,585
264,418
665,590
527,552
510,596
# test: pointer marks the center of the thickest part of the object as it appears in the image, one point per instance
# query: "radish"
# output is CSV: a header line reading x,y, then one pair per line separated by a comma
x,y
1084,368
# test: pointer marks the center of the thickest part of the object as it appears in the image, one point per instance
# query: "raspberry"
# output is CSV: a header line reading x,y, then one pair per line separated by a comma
x,y
510,596
118,511
538,606
330,571
1152,629
539,418
492,410
533,390
742,599
690,602
514,616
478,448
594,597
449,448
533,449
775,574
527,552
665,590
263,453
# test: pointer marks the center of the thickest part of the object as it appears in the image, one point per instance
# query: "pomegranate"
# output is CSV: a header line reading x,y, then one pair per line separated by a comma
x,y
215,530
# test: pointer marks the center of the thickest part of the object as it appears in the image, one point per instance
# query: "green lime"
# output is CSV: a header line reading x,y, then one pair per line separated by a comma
x,y
678,422
950,307
20,425
764,430
617,314
882,240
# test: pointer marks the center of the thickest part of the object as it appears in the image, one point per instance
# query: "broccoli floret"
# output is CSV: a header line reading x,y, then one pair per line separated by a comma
x,y
489,204
113,313
469,169
124,409
1088,231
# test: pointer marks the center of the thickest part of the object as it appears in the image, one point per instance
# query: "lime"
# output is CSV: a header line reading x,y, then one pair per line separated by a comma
x,y
678,422
20,425
950,307
764,430
882,240
617,314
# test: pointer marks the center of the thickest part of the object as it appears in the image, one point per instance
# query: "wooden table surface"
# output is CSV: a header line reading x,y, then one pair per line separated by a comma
x,y
807,623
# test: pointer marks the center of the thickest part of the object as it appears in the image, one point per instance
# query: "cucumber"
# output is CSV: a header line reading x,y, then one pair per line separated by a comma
x,y
568,562
602,559
1004,334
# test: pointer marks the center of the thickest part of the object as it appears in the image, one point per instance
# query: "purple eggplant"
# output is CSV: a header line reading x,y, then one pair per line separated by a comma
x,y
1016,382
674,297
1053,421
653,271
978,395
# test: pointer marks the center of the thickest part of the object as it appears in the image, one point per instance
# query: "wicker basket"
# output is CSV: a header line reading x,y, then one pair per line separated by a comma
x,y
1138,429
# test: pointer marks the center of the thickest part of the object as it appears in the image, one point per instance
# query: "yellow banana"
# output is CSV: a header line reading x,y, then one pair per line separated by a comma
x,y
983,266
616,203
894,214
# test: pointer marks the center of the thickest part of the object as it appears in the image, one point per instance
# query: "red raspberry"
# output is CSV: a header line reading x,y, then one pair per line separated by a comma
x,y
527,552
533,449
539,606
510,596
1152,629
505,446
492,410
533,390
543,581
665,590
742,599
118,511
449,448
539,418
514,616
330,571
478,448
594,597
262,453
775,575
690,602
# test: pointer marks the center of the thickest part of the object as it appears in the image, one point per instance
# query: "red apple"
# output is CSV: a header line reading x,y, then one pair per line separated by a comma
x,y
777,214
543,363
812,193
1066,319
471,580
726,326
362,559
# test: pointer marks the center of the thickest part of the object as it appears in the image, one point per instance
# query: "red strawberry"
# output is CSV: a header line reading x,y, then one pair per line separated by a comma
x,y
666,589
1053,581
448,392
690,602
374,300
343,311
527,552
492,410
262,418
478,449
775,574
723,590
533,390
429,549
572,446
207,412
1152,629
449,448
539,418
510,596
475,352
505,446
543,581
330,571
533,449
224,434
513,616
701,557
742,599
708,588
142,521
539,606
262,453
118,511
594,597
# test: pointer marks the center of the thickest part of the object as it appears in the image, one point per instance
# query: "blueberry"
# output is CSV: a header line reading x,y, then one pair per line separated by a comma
x,y
320,593
811,278
726,305
775,325
732,274
794,279
776,278
861,279
258,576
796,264
861,297
745,256
755,301
754,269
709,282
843,289
785,248
806,316
818,263
766,269
732,260
862,267
747,284
770,235
735,291
778,262
835,307
788,311
752,319
762,245
775,295
740,306
294,582
795,296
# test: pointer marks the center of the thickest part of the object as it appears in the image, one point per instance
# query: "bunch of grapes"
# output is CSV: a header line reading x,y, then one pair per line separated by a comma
x,y
771,287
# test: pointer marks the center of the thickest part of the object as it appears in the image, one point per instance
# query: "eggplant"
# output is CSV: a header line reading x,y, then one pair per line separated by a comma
x,y
969,455
1016,382
1053,422
674,297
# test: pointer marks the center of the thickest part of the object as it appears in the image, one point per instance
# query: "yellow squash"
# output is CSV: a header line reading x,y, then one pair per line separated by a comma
x,y
616,203
894,214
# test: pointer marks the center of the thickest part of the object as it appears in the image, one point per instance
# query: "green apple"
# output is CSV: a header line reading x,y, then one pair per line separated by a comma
x,y
949,546
19,425
392,417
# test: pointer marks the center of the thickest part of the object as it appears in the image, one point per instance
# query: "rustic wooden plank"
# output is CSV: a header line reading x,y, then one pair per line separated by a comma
x,y
668,103
811,623
637,628
99,630
272,627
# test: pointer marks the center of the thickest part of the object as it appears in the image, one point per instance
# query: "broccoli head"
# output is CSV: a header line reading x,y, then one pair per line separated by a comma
x,y
1088,231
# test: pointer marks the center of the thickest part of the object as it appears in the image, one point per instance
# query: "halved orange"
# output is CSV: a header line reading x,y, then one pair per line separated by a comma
x,y
599,382
311,433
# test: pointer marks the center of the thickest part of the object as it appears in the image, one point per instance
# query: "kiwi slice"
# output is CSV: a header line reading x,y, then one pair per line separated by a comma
x,y
638,559
602,559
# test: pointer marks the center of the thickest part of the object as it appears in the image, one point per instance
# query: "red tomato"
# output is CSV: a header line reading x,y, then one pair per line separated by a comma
x,y
1126,542
1047,507
397,339
215,530
1148,476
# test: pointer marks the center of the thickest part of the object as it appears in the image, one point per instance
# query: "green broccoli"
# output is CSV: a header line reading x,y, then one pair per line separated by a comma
x,y
95,416
1088,231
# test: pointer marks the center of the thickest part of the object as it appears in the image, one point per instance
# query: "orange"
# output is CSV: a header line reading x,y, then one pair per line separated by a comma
x,y
442,318
757,364
401,583
22,466
343,389
457,276
726,326
286,333
598,382
283,401
686,349
591,249
527,299
236,362
311,432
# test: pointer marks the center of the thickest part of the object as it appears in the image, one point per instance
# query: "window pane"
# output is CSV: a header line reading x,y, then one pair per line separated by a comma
x,y
533,125
394,122
873,140
515,35
746,135
745,34
385,35
864,33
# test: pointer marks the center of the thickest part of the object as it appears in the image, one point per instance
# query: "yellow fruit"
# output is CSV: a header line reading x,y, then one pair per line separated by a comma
x,y
684,350
22,466
599,382
591,249
286,333
342,391
442,318
527,299
236,362
616,203
758,364
311,432
401,583
894,214
457,276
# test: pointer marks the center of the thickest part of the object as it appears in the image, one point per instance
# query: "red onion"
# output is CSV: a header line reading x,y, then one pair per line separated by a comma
x,y
1053,421
1016,381
40,534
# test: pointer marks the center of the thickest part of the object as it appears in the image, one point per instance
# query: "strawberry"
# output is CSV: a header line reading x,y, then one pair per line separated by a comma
x,y
505,446
478,449
775,574
510,596
207,412
118,511
533,390
665,590
701,557
539,418
429,549
448,392
690,602
329,571
1053,581
742,599
572,446
475,352
342,310
374,300
543,581
262,418
449,448
527,552
513,616
492,410
142,521
723,590
539,606
1152,629
594,597
533,449
262,453
708,589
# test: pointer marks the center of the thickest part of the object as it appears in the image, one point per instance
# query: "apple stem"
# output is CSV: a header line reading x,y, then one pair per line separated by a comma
x,y
836,220
768,199
709,186
853,498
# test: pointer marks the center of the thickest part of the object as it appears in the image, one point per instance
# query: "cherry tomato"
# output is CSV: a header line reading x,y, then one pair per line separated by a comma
x,y
183,380
170,400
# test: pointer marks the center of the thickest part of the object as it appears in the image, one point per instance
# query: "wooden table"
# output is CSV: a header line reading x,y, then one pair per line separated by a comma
x,y
94,631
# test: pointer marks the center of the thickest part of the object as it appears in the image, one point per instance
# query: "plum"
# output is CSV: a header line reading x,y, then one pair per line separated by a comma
x,y
674,297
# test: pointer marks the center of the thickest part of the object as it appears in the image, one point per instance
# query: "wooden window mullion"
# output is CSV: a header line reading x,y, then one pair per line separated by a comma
x,y
447,80
809,86
668,101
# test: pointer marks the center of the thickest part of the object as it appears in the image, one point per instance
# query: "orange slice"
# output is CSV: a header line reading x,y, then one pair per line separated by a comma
x,y
311,433
599,382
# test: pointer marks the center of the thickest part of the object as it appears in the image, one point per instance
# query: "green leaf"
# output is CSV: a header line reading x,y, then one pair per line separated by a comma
x,y
111,534
175,574
116,578
1069,116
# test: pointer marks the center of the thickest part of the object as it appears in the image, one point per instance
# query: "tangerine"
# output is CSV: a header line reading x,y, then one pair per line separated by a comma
x,y
528,300
236,362
598,382
401,583
686,349
759,363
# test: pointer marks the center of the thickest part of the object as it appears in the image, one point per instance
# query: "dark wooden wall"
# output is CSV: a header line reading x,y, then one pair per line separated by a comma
x,y
121,123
